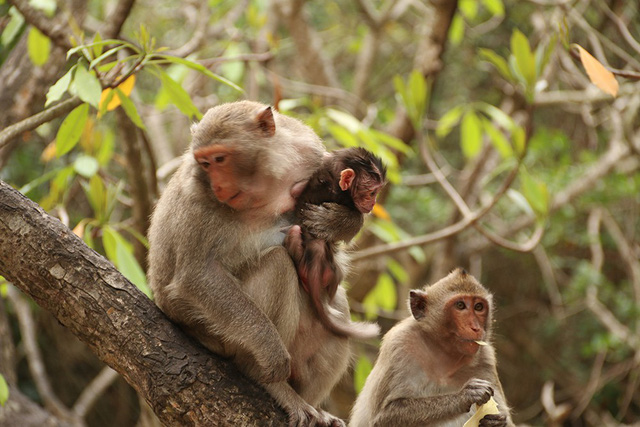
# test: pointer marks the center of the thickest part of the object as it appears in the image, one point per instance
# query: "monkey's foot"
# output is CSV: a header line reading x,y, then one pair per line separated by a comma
x,y
309,416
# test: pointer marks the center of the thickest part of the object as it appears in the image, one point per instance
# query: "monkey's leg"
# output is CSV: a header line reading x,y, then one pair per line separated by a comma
x,y
327,359
274,287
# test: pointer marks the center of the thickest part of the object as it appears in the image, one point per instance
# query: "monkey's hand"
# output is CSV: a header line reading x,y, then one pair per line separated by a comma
x,y
475,391
331,222
493,420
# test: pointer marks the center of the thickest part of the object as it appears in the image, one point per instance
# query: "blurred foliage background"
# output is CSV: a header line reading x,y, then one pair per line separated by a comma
x,y
505,158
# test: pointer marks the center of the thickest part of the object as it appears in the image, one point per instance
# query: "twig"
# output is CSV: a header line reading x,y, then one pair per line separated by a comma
x,y
55,30
593,385
622,29
470,218
620,331
34,357
116,20
544,264
93,391
36,120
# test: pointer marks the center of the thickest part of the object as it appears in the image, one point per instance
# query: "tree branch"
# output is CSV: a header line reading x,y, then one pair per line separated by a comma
x,y
55,30
183,382
36,120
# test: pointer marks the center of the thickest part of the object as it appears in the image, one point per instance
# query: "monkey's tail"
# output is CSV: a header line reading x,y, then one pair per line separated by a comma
x,y
347,329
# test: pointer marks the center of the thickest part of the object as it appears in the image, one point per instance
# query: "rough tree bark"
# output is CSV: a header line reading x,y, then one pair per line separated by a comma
x,y
183,382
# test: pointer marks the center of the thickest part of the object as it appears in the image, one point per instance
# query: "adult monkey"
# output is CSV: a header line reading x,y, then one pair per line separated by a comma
x,y
432,367
212,266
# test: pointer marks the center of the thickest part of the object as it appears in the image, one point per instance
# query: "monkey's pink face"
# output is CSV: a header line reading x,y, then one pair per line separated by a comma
x,y
246,189
469,316
365,197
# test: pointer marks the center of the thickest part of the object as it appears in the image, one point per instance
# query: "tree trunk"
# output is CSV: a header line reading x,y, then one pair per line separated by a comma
x,y
183,382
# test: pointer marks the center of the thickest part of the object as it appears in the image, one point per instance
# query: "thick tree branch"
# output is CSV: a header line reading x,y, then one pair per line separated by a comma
x,y
57,31
183,383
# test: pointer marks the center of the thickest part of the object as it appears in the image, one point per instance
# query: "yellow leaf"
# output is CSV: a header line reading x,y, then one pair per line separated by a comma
x,y
380,212
598,75
79,229
126,87
49,153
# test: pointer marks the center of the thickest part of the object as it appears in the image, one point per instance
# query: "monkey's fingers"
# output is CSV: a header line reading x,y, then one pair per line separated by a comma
x,y
493,420
294,245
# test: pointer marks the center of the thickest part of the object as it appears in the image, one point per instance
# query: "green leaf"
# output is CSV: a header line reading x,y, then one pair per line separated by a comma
x,y
87,86
496,7
71,129
382,296
497,115
518,135
398,271
471,135
497,61
97,49
361,371
200,68
105,55
86,166
525,60
342,136
130,109
448,121
60,87
536,193
120,252
4,391
346,120
456,30
47,6
39,47
98,44
391,141
107,147
27,188
497,138
96,194
469,8
13,28
178,96
417,95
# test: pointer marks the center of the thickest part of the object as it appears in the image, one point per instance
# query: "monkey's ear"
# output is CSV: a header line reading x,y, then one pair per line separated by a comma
x,y
266,122
418,304
346,178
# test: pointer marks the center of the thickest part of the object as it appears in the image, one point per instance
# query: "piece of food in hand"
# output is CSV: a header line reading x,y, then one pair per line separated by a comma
x,y
491,407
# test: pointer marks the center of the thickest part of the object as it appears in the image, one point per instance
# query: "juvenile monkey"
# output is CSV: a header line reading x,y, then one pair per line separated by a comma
x,y
339,194
431,368
214,271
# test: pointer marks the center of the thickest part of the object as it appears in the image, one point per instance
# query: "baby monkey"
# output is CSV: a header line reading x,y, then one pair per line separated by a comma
x,y
341,192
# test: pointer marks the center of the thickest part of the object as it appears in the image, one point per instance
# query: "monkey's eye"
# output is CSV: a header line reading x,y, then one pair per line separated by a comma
x,y
219,159
204,164
479,306
460,305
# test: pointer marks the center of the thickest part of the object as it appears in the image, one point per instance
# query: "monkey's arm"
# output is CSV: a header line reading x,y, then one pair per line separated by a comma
x,y
432,409
331,222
